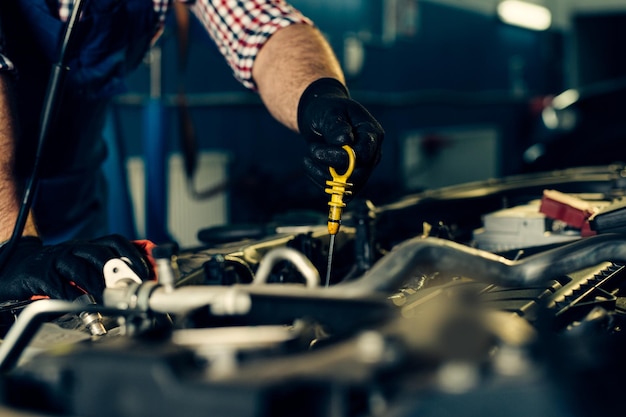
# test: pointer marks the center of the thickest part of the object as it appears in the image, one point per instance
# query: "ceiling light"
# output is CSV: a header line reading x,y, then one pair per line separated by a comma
x,y
523,14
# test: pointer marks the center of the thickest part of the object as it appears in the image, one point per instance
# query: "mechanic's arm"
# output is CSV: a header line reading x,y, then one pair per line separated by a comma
x,y
9,201
63,271
272,47
302,85
291,59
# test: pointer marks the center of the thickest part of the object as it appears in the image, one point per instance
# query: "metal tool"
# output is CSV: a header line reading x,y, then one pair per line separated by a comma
x,y
338,187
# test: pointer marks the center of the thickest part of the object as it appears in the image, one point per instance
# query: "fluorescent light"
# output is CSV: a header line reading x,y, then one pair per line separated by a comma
x,y
523,14
565,99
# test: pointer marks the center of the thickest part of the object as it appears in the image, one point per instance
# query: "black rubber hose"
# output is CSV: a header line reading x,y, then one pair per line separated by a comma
x,y
429,255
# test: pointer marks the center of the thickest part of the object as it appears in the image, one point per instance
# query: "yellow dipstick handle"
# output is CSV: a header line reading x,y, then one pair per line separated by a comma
x,y
337,188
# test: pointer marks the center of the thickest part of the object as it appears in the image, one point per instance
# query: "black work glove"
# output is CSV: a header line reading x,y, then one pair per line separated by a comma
x,y
66,270
328,119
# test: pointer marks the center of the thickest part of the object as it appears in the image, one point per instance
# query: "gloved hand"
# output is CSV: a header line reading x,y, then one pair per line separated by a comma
x,y
66,270
328,119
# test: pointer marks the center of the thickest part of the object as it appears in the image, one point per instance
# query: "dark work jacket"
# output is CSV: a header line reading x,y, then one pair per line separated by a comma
x,y
109,41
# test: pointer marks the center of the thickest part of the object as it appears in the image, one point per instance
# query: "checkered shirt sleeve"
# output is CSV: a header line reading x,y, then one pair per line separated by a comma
x,y
241,27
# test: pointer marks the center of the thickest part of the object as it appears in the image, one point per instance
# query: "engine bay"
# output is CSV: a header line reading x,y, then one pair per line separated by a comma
x,y
499,297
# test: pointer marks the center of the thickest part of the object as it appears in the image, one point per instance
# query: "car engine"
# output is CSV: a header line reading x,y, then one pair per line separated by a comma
x,y
499,297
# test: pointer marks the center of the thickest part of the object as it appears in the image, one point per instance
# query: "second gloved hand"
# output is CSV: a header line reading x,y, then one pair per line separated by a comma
x,y
328,119
66,270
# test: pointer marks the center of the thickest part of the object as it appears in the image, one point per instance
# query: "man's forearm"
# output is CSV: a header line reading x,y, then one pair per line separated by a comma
x,y
291,59
9,201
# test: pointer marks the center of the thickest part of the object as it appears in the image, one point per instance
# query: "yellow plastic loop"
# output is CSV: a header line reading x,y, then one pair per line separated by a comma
x,y
338,187
351,162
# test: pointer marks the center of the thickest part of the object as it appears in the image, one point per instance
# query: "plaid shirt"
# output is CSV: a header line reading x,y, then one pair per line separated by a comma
x,y
238,27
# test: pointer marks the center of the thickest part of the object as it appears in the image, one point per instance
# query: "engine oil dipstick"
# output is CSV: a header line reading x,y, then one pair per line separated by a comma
x,y
337,188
